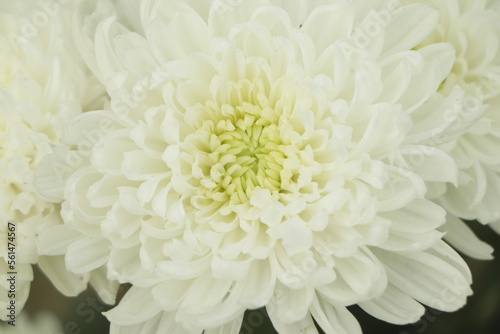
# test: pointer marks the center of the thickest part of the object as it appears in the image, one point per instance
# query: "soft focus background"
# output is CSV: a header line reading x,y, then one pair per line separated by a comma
x,y
481,315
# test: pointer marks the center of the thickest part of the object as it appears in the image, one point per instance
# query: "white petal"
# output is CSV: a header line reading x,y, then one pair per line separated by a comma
x,y
225,15
163,35
220,314
106,289
440,120
91,127
302,326
51,175
460,236
419,216
135,54
230,269
362,272
87,254
170,294
259,285
291,304
107,156
394,307
54,240
330,23
85,23
124,264
424,160
432,278
334,318
68,283
295,237
437,62
107,60
213,291
409,26
137,306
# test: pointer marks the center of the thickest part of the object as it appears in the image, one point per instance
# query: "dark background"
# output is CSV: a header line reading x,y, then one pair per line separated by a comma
x,y
481,315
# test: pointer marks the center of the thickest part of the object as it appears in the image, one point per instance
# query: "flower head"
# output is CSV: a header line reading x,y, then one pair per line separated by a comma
x,y
43,83
255,157
473,30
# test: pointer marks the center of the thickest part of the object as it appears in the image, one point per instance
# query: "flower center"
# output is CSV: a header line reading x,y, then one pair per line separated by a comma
x,y
247,152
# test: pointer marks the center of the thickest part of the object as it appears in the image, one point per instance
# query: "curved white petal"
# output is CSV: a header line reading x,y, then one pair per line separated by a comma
x,y
137,306
394,306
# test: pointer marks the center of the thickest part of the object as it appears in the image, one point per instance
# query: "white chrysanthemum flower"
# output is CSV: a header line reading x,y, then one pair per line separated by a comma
x,y
473,28
43,323
43,83
255,155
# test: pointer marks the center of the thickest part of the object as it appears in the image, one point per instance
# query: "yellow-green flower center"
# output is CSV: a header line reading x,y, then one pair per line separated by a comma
x,y
245,148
